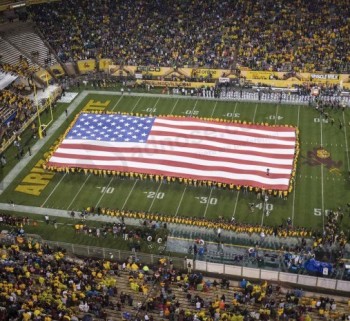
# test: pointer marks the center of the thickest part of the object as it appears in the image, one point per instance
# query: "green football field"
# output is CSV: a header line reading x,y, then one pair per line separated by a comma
x,y
322,180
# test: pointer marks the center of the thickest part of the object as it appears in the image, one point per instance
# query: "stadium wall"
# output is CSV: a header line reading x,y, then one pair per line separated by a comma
x,y
163,74
208,267
276,276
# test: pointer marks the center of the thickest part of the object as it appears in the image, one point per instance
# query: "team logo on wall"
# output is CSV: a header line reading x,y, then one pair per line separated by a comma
x,y
320,156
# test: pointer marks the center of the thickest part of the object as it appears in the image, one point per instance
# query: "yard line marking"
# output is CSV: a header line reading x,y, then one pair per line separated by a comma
x,y
322,192
116,104
194,107
293,203
346,141
182,196
263,212
155,105
172,110
81,187
127,198
208,201
103,194
234,111
54,189
212,113
234,210
256,107
136,104
264,204
276,114
155,195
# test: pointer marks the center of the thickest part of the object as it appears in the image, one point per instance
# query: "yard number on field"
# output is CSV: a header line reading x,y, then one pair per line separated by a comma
x,y
191,112
151,110
272,117
207,200
268,206
105,189
318,212
233,115
318,120
159,195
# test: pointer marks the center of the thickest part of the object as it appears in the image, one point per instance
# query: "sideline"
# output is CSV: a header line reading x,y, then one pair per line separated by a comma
x,y
11,176
136,222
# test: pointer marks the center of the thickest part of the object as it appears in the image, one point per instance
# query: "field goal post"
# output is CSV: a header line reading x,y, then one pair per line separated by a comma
x,y
42,127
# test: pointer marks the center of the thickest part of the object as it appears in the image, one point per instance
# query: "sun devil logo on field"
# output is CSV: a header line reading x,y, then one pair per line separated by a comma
x,y
320,156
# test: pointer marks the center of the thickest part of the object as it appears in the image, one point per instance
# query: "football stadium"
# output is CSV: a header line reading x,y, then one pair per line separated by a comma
x,y
174,160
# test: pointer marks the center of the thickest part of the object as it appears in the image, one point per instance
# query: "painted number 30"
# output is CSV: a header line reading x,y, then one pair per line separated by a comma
x,y
207,200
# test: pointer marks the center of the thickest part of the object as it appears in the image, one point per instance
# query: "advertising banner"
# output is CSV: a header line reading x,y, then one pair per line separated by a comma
x,y
57,70
43,75
104,63
181,84
86,66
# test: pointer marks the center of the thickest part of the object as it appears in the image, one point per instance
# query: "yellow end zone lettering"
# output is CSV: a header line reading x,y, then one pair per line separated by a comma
x,y
35,181
96,105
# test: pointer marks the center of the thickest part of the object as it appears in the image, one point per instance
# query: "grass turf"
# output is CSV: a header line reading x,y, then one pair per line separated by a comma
x,y
319,187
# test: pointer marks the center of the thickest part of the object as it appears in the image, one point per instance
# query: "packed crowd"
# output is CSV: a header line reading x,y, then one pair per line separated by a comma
x,y
262,35
22,68
15,110
38,283
42,284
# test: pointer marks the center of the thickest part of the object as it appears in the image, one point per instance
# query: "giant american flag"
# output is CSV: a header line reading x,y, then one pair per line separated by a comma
x,y
185,147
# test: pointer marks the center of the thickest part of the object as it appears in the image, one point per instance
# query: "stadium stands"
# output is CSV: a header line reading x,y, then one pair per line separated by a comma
x,y
13,57
33,46
41,283
38,283
269,35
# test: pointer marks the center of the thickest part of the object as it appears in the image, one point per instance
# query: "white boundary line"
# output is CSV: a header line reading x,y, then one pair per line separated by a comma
x,y
132,110
103,194
295,178
54,189
172,110
208,201
212,113
234,210
81,187
346,142
127,198
155,195
116,104
180,202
